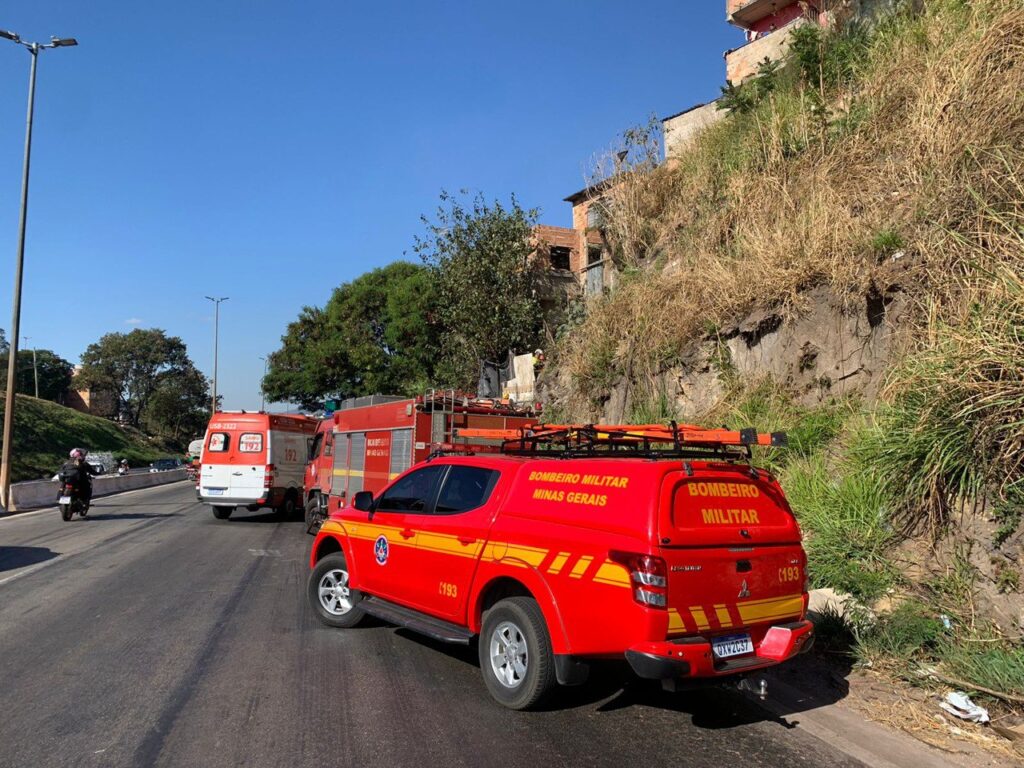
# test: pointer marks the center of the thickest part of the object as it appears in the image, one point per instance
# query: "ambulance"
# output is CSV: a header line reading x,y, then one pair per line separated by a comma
x,y
254,460
662,546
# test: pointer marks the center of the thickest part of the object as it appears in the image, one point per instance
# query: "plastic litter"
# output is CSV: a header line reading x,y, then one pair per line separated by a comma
x,y
946,621
960,705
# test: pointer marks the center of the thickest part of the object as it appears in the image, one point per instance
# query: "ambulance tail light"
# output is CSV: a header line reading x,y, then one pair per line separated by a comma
x,y
268,476
648,576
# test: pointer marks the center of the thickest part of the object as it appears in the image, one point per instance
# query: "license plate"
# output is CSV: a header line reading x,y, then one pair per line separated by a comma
x,y
64,500
215,491
731,645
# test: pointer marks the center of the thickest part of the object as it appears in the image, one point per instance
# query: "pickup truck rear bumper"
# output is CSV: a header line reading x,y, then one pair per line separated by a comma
x,y
691,657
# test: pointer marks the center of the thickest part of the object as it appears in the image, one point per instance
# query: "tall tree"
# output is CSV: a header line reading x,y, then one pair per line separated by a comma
x,y
53,371
373,336
480,257
133,367
180,405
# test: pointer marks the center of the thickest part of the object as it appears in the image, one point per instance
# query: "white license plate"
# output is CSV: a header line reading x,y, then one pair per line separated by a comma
x,y
215,491
64,500
731,645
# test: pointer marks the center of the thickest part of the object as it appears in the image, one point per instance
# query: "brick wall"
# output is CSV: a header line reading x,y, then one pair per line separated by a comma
x,y
742,63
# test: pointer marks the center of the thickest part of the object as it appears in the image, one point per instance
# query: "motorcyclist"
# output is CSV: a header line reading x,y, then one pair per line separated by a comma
x,y
78,471
122,468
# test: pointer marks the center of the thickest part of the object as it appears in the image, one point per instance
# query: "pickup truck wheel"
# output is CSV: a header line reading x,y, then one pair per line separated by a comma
x,y
336,605
515,653
223,513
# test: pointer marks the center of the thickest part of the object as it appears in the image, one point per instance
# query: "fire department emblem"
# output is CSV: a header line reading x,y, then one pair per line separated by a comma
x,y
744,592
380,550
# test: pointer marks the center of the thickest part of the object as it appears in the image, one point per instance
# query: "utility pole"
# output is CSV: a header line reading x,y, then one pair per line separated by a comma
x,y
35,370
216,341
12,362
263,395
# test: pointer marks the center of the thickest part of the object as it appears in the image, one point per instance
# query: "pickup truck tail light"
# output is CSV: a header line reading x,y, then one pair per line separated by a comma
x,y
268,476
648,575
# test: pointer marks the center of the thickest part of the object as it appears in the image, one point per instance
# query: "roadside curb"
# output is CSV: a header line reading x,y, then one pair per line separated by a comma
x,y
848,731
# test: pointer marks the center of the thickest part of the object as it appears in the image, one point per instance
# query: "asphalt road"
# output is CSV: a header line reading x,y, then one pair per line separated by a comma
x,y
152,634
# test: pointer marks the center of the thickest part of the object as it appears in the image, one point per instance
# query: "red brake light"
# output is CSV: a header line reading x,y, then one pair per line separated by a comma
x,y
268,476
648,575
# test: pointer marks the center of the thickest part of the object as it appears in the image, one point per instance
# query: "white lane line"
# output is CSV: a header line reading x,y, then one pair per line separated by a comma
x,y
33,513
32,569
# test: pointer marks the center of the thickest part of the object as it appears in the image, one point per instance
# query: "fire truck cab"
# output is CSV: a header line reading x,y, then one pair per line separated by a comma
x,y
371,440
661,547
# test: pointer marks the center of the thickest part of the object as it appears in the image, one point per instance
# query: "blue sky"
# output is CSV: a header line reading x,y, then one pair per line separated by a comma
x,y
269,151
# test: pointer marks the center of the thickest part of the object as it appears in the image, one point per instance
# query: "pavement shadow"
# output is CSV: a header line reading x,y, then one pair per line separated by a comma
x,y
19,557
713,705
264,516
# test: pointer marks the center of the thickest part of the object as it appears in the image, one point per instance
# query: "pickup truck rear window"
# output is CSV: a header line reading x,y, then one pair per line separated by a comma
x,y
465,488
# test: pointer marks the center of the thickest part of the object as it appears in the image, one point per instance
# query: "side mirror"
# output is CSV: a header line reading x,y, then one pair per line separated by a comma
x,y
363,501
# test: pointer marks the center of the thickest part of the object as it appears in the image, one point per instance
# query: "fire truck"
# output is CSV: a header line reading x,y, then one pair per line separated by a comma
x,y
369,441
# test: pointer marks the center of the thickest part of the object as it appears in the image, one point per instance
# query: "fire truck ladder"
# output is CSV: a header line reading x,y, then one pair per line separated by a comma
x,y
684,441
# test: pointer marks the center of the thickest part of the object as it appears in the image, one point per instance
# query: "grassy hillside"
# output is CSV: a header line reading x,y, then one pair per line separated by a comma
x,y
885,157
44,432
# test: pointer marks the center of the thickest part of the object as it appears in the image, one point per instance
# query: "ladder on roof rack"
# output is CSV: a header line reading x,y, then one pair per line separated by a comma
x,y
646,440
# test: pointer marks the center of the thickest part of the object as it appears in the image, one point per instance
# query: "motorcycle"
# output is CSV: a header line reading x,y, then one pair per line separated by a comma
x,y
71,500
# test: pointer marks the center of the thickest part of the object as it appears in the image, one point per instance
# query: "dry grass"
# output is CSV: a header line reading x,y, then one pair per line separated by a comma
x,y
927,149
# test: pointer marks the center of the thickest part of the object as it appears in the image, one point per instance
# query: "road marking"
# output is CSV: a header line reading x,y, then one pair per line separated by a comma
x,y
263,553
32,569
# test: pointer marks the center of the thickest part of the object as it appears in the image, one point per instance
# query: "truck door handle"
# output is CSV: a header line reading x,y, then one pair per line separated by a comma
x,y
407,533
466,541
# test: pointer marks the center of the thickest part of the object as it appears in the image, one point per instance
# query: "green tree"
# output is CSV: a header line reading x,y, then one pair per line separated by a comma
x,y
180,405
133,367
54,374
373,336
480,257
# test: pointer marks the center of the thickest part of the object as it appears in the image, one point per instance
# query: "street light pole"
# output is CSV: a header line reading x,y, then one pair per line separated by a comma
x,y
35,370
263,394
12,362
216,341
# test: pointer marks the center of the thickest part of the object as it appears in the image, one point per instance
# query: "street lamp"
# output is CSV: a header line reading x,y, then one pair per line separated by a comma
x,y
263,394
35,370
216,327
5,458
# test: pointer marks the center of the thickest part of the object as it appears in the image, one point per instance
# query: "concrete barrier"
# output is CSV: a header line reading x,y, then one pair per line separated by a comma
x,y
43,493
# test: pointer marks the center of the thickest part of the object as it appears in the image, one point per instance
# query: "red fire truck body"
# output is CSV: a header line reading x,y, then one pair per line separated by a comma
x,y
370,441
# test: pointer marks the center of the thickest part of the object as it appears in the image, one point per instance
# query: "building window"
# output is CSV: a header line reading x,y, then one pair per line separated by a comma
x,y
595,215
559,256
594,254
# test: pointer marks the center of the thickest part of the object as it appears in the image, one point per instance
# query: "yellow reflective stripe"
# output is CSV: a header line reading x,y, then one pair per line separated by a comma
x,y
581,566
675,621
699,616
530,555
558,563
449,545
723,615
769,610
348,473
612,573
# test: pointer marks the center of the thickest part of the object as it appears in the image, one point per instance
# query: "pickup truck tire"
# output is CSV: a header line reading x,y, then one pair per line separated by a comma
x,y
223,513
515,653
327,589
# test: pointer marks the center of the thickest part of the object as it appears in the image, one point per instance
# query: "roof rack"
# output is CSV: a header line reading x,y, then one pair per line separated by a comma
x,y
685,441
